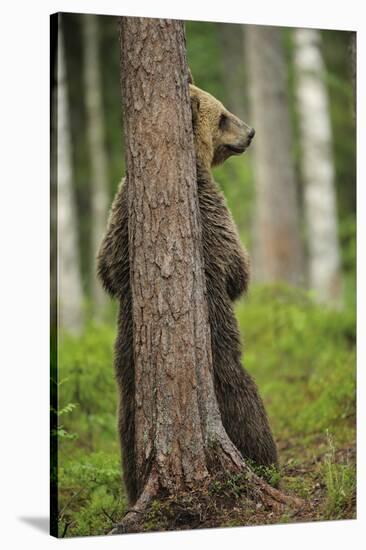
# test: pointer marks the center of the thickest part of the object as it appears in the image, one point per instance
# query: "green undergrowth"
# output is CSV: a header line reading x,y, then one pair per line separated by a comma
x,y
302,357
340,479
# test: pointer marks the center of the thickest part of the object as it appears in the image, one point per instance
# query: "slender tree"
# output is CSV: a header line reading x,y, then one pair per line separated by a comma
x,y
277,243
96,138
353,59
317,167
69,280
179,438
53,180
231,41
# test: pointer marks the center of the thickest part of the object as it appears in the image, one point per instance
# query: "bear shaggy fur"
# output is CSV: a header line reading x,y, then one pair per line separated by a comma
x,y
218,134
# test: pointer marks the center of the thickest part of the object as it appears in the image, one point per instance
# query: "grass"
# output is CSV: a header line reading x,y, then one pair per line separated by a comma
x,y
303,359
340,480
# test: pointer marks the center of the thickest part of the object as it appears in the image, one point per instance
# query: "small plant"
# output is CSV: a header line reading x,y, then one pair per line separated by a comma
x,y
59,431
157,516
340,480
91,499
215,487
300,486
270,473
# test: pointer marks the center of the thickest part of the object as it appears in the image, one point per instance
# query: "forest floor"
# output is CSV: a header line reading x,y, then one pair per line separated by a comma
x,y
325,481
303,359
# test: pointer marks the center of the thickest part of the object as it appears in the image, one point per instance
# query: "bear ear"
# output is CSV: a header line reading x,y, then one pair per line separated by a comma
x,y
195,106
190,77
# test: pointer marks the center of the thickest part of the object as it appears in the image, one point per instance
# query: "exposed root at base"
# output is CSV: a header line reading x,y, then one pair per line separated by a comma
x,y
131,523
226,500
275,499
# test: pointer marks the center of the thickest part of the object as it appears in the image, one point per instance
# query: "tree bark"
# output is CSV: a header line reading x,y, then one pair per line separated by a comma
x,y
170,320
69,280
96,138
179,437
277,244
317,168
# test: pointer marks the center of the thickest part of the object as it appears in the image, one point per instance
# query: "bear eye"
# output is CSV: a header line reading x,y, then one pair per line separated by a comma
x,y
223,122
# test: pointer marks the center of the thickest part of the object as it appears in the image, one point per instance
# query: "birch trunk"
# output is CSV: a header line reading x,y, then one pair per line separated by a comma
x,y
277,243
317,167
98,160
70,293
179,437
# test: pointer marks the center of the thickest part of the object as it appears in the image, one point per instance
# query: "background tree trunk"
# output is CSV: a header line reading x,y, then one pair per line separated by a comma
x,y
179,437
353,56
231,39
277,244
317,167
98,160
69,281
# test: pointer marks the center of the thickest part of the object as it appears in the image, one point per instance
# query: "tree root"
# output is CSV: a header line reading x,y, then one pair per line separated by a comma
x,y
256,490
229,459
132,520
275,499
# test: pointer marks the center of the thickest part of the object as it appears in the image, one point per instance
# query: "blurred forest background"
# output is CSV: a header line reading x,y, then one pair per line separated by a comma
x,y
293,197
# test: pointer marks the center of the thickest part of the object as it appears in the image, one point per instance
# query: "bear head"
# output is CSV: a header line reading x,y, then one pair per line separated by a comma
x,y
218,133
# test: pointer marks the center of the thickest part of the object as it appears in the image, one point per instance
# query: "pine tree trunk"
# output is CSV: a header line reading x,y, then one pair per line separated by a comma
x,y
170,319
317,167
179,437
69,281
98,160
278,248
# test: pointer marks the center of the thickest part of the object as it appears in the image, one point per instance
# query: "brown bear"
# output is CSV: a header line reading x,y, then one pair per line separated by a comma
x,y
218,134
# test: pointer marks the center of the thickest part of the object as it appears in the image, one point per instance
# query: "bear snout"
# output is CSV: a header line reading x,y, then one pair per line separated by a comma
x,y
251,134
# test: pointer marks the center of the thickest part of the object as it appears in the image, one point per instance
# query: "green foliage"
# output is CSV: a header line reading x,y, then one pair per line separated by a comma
x,y
302,356
90,488
61,433
91,497
298,486
234,485
340,480
271,474
88,389
203,53
157,516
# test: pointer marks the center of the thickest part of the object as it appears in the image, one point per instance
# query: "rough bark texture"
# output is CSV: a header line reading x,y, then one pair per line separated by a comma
x,y
277,248
69,282
170,319
317,168
95,134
